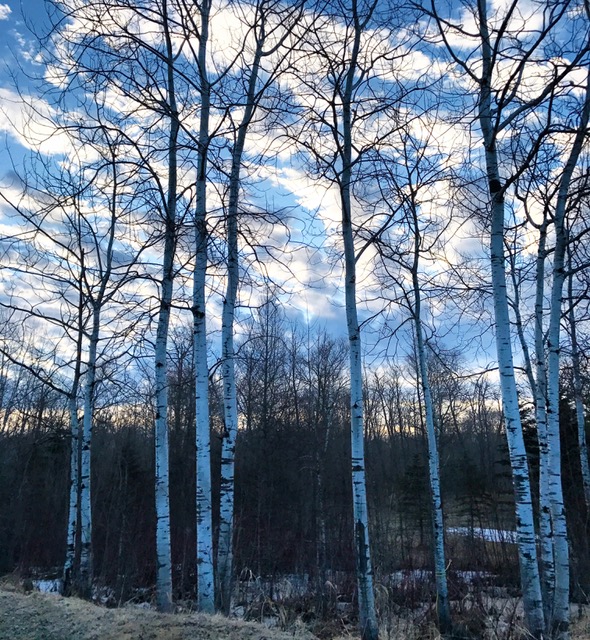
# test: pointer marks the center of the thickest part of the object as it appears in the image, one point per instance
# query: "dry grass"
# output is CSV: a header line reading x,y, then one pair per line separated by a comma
x,y
40,616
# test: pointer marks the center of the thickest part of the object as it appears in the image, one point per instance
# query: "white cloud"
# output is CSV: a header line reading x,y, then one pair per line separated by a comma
x,y
5,11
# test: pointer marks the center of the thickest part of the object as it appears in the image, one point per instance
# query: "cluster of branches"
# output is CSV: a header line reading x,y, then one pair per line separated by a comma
x,y
175,117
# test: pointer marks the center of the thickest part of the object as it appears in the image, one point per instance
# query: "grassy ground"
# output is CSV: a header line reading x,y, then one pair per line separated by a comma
x,y
37,616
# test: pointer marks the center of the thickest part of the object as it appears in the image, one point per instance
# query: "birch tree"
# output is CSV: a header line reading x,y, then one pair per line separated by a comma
x,y
268,27
560,609
577,377
204,551
406,198
503,99
338,138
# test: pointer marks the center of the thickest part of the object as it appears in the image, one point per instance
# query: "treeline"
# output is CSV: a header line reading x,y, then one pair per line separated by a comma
x,y
293,497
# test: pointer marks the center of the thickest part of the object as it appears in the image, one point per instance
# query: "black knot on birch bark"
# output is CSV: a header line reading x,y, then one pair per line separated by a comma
x,y
495,186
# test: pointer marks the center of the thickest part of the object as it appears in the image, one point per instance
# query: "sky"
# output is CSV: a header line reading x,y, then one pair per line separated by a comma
x,y
313,277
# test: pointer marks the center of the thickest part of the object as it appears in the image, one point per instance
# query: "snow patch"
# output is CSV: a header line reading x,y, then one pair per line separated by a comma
x,y
48,586
489,535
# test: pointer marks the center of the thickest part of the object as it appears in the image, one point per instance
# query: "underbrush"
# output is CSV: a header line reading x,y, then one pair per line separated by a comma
x,y
484,606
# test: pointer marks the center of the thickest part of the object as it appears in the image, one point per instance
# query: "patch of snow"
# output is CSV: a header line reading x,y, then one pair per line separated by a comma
x,y
469,577
489,535
48,586
413,576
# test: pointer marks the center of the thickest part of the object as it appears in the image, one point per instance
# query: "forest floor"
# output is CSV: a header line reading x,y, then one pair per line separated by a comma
x,y
42,616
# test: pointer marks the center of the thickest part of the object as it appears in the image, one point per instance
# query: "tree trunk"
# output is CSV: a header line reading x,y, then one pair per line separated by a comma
x,y
579,400
540,395
204,556
527,551
230,404
162,480
440,568
364,570
86,561
68,571
560,621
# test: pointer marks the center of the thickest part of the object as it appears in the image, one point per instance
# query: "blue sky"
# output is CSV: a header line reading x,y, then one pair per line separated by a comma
x,y
287,184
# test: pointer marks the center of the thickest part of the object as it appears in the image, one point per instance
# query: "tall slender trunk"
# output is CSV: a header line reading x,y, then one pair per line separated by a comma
x,y
527,551
440,569
162,480
86,561
540,395
230,404
69,569
364,570
578,398
560,622
204,552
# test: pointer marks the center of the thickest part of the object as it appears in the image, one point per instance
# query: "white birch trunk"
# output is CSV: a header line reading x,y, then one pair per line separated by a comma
x,y
540,395
368,618
204,555
230,403
364,570
162,480
70,560
560,621
578,398
527,551
443,607
70,569
86,563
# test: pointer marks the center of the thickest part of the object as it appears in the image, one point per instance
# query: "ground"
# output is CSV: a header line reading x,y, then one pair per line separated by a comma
x,y
39,616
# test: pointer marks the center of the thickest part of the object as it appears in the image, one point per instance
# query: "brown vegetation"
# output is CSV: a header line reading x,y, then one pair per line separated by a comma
x,y
38,616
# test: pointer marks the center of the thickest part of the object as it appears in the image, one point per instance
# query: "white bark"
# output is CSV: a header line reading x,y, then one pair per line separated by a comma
x,y
74,496
560,621
230,404
540,395
364,570
580,417
440,568
529,570
204,556
86,564
74,493
162,477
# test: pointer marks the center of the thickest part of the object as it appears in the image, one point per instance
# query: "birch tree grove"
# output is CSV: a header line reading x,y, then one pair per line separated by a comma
x,y
497,111
294,312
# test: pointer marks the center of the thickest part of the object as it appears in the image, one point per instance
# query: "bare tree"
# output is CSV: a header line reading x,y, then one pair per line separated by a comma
x,y
503,100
